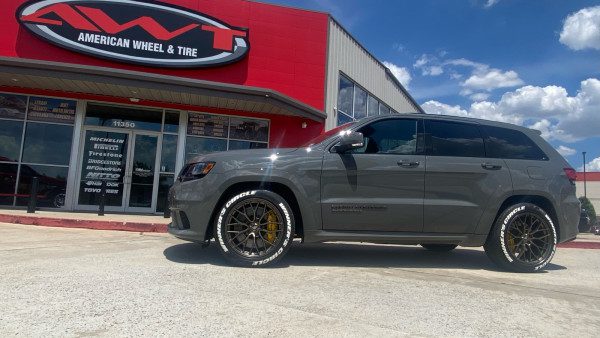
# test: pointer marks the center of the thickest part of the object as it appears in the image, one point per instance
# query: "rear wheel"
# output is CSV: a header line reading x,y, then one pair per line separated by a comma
x,y
439,247
523,239
255,228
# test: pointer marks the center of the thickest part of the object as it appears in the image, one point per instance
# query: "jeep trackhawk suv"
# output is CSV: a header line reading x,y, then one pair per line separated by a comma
x,y
437,181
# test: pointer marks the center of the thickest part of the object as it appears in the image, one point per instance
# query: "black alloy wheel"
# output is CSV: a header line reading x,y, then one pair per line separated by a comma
x,y
529,239
255,228
523,239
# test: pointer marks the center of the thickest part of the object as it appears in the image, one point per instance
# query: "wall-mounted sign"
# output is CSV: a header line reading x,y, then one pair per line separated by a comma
x,y
207,125
146,33
47,109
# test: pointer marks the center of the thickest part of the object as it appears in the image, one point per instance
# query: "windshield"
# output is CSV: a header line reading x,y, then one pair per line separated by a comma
x,y
328,134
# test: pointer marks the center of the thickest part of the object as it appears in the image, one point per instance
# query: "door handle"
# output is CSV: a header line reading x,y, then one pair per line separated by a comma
x,y
409,164
490,166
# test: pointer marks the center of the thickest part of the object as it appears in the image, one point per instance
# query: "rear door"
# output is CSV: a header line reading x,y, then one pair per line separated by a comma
x,y
380,186
460,182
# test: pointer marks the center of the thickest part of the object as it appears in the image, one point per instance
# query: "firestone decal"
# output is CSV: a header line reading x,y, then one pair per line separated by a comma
x,y
146,33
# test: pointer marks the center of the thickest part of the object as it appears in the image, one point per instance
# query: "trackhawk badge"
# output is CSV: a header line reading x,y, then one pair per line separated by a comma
x,y
144,33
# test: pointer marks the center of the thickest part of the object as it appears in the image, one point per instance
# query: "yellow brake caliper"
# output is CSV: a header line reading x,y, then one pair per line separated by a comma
x,y
271,227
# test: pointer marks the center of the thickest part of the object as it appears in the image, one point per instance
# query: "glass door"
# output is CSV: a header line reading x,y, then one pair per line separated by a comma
x,y
105,159
141,173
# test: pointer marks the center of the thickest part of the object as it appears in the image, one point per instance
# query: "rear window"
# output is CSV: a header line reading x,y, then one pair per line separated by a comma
x,y
454,139
511,144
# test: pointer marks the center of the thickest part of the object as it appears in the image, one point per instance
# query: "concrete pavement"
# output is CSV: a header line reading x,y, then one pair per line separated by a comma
x,y
74,282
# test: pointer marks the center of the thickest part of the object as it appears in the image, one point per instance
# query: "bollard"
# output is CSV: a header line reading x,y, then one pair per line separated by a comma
x,y
102,198
33,195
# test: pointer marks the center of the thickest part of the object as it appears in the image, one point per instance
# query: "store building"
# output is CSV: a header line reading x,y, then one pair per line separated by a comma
x,y
125,91
591,188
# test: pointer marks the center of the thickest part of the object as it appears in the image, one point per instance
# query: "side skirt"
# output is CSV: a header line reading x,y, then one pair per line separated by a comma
x,y
408,238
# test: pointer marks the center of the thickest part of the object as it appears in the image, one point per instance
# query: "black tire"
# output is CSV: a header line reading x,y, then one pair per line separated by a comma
x,y
243,234
439,247
523,239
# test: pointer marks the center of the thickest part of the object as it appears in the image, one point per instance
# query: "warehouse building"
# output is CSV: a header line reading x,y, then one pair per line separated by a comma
x,y
125,91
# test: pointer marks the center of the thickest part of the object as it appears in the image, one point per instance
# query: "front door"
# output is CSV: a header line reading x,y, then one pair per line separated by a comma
x,y
378,187
125,161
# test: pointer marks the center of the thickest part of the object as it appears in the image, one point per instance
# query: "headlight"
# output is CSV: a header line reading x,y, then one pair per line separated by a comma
x,y
194,171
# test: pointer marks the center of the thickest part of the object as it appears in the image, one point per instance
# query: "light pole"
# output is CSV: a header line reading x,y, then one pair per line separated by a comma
x,y
584,180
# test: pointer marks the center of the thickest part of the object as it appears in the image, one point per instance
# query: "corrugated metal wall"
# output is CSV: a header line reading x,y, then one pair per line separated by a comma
x,y
346,55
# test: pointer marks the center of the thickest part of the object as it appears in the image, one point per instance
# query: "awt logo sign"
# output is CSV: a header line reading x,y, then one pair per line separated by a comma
x,y
146,33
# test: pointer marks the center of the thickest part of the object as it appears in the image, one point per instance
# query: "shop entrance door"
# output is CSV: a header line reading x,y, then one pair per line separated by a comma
x,y
126,161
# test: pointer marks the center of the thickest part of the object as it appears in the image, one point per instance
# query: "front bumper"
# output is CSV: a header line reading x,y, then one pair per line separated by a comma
x,y
192,204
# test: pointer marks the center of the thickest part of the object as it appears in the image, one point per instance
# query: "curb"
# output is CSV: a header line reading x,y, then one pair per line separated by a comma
x,y
84,224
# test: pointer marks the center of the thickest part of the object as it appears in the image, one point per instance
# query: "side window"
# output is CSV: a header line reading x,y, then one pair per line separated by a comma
x,y
454,139
511,144
393,136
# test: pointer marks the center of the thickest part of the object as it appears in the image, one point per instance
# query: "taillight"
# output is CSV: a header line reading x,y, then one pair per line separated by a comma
x,y
571,174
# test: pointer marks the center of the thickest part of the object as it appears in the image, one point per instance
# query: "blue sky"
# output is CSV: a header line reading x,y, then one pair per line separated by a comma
x,y
530,62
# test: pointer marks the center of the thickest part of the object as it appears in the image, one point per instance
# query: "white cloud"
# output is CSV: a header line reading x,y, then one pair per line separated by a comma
x,y
548,109
490,3
483,77
581,29
492,79
433,71
593,165
401,73
566,151
479,96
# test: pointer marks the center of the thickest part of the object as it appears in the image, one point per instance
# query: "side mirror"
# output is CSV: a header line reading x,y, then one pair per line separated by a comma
x,y
349,141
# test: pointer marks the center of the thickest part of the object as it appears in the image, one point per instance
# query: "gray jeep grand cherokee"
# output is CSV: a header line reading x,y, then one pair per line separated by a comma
x,y
437,181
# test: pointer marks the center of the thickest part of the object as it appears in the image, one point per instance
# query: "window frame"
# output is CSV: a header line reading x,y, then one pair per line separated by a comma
x,y
351,114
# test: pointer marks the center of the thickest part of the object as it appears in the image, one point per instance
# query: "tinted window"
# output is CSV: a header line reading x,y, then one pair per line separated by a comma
x,y
360,103
169,153
123,117
345,96
195,146
511,144
454,139
397,136
10,140
373,106
47,143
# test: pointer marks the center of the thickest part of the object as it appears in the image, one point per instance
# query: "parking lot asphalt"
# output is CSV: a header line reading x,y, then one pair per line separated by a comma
x,y
76,282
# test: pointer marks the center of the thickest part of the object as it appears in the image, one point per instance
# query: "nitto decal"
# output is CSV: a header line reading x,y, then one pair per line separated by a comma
x,y
146,33
288,235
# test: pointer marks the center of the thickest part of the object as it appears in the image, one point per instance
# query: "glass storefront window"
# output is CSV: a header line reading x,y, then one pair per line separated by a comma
x,y
10,140
195,146
169,153
171,122
8,180
241,145
343,119
13,106
47,143
123,117
249,129
51,189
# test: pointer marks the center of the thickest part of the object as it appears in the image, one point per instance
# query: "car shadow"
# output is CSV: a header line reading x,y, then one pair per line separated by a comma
x,y
351,255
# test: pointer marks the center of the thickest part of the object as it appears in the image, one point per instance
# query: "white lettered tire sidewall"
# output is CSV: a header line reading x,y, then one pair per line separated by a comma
x,y
282,247
496,246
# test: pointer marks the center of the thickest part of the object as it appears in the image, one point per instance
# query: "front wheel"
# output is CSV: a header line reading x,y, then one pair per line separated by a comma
x,y
255,228
523,239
